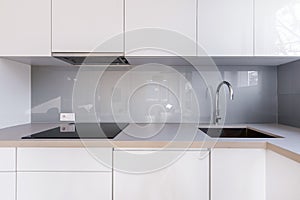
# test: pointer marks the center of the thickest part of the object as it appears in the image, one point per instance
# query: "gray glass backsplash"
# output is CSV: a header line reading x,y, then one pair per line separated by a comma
x,y
178,94
289,94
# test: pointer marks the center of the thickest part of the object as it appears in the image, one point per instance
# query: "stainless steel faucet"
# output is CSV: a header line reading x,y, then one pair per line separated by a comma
x,y
217,106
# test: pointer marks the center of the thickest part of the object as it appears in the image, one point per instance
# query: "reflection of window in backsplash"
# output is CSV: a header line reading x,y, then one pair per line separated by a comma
x,y
242,78
158,95
252,78
247,78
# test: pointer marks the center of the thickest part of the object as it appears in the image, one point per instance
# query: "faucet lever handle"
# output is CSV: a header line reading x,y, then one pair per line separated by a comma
x,y
218,119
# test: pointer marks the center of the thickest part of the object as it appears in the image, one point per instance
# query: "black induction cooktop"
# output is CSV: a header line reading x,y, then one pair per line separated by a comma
x,y
81,131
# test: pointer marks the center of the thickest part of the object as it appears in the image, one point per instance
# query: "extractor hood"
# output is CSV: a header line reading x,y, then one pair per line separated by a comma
x,y
117,59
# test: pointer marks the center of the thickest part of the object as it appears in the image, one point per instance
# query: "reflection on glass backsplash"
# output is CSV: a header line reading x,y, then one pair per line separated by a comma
x,y
247,78
157,94
142,95
289,94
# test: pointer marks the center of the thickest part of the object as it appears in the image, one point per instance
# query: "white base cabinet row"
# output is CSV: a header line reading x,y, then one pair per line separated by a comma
x,y
75,173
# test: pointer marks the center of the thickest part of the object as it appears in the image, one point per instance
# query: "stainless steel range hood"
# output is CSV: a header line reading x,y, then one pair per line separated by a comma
x,y
116,59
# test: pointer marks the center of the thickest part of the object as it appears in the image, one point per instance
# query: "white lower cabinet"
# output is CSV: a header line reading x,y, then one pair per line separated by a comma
x,y
8,159
238,174
64,159
168,175
283,177
148,174
64,173
7,185
7,173
64,185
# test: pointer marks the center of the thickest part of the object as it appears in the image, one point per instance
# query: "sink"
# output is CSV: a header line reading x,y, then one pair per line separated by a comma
x,y
235,133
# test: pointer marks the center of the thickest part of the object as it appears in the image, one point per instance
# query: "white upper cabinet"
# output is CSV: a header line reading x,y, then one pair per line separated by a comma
x,y
225,27
25,28
155,27
87,26
277,31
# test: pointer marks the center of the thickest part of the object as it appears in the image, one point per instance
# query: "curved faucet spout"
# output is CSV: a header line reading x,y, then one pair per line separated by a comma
x,y
229,88
217,106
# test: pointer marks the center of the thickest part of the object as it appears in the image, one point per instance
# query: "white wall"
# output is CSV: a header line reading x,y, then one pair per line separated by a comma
x,y
15,90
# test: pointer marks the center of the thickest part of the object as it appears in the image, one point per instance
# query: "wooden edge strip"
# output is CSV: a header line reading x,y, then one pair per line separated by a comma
x,y
284,152
153,144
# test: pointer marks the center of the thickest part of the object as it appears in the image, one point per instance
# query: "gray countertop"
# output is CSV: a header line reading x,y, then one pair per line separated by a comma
x,y
167,133
189,132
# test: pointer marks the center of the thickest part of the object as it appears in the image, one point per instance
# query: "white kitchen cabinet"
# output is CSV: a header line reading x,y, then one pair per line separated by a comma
x,y
64,185
184,175
87,26
174,23
64,173
225,28
25,28
8,185
7,173
64,159
8,159
238,174
282,177
277,27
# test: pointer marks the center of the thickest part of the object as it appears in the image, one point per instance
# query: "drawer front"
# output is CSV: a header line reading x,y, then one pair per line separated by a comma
x,y
146,161
8,185
64,185
185,178
7,159
64,159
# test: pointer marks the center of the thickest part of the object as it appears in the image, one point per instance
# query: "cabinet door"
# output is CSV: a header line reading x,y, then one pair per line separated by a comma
x,y
225,27
25,28
64,159
8,185
174,23
64,185
87,26
283,177
8,159
186,178
277,27
238,174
